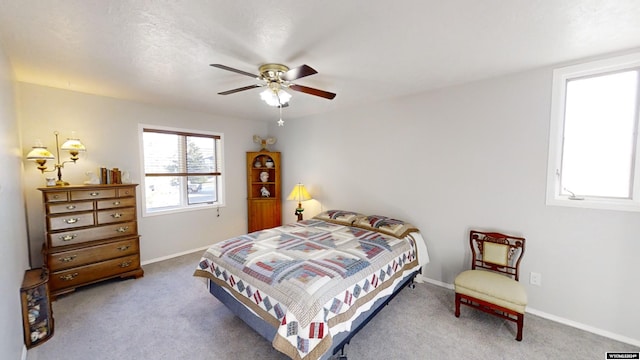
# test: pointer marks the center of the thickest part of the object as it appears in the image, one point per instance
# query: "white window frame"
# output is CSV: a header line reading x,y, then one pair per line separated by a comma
x,y
556,133
183,207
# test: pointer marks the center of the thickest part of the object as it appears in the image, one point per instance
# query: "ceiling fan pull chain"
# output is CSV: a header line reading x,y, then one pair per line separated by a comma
x,y
280,122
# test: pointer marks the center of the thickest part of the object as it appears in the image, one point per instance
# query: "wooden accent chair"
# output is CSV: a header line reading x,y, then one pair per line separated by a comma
x,y
492,283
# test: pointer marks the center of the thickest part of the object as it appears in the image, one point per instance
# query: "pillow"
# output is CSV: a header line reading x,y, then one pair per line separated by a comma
x,y
385,225
341,217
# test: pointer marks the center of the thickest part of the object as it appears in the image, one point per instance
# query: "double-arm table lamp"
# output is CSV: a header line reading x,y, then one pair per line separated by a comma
x,y
40,155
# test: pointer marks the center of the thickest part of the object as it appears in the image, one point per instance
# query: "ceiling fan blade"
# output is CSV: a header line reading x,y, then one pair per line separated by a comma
x,y
225,67
299,72
233,91
312,91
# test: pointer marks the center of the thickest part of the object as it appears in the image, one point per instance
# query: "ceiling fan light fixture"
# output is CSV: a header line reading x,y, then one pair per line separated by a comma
x,y
276,77
275,97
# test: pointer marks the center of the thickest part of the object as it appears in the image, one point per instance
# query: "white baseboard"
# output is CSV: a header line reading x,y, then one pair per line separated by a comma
x,y
584,327
558,319
438,283
24,353
151,261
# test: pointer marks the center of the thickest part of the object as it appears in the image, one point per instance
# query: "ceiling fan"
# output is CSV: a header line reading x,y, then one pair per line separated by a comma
x,y
277,77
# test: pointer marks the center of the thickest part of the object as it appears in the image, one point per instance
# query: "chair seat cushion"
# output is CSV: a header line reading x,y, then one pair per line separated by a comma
x,y
493,288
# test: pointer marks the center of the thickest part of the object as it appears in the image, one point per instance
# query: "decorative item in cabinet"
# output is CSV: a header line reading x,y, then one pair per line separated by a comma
x,y
37,317
264,197
91,235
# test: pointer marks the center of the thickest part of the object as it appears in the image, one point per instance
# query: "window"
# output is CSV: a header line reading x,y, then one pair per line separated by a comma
x,y
182,169
593,143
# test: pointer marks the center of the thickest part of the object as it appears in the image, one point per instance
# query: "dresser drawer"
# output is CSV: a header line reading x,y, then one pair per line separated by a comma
x,y
69,207
116,215
70,221
92,234
93,272
78,257
93,194
128,191
56,196
115,203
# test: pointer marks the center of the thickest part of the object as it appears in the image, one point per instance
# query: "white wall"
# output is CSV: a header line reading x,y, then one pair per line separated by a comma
x,y
474,156
13,243
471,156
109,129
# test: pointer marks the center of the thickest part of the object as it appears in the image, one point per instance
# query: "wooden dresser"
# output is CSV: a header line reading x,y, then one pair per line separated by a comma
x,y
91,235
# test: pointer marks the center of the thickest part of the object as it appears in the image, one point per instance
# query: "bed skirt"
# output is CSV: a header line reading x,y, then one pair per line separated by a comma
x,y
267,331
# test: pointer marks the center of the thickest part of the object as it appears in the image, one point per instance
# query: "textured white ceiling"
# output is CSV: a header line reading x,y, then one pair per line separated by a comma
x,y
160,51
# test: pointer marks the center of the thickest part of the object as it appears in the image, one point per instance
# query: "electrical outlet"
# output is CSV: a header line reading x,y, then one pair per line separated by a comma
x,y
535,279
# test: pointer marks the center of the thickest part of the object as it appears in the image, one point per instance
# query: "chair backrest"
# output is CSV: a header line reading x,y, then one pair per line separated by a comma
x,y
496,252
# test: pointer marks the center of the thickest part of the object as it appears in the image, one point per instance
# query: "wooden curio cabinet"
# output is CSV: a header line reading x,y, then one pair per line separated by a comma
x,y
264,196
36,307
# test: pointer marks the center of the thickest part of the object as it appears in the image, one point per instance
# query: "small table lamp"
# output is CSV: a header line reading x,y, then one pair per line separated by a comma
x,y
300,194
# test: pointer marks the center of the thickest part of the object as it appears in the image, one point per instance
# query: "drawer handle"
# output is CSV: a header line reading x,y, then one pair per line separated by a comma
x,y
95,193
116,215
68,258
71,207
116,203
68,277
68,237
125,264
124,247
56,196
122,229
71,220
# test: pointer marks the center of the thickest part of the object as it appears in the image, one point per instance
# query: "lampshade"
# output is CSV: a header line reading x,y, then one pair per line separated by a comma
x,y
73,145
275,97
39,153
299,193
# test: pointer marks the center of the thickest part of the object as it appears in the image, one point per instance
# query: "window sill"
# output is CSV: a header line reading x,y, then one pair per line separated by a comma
x,y
598,204
181,210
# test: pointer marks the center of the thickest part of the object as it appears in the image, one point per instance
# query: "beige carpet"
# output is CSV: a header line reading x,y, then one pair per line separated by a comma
x,y
168,314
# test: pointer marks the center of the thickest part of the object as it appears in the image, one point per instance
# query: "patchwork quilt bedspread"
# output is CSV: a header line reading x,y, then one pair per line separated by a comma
x,y
309,279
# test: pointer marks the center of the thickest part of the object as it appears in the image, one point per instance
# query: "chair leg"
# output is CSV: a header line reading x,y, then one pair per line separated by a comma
x,y
520,323
457,305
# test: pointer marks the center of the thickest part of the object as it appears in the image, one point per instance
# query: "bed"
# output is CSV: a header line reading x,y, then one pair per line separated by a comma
x,y
309,286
